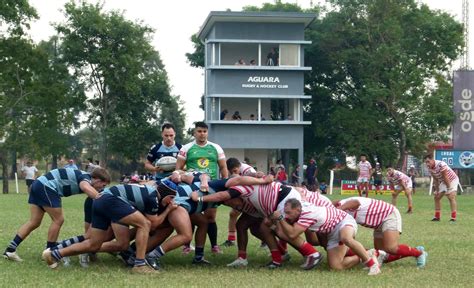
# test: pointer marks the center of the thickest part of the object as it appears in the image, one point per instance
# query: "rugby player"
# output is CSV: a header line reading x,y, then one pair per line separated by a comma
x,y
400,182
364,168
45,197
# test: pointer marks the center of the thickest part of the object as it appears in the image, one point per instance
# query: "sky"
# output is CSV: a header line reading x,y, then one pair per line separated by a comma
x,y
174,23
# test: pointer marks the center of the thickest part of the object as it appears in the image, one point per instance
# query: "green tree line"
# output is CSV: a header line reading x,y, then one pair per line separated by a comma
x,y
98,86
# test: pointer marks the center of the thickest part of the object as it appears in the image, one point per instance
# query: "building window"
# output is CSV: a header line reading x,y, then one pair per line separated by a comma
x,y
239,54
289,55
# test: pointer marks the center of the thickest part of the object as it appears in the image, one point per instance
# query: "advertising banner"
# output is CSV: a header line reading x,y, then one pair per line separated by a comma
x,y
349,187
456,159
463,128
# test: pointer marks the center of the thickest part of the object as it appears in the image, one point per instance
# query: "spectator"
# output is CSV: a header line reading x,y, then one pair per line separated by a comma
x,y
311,173
71,164
236,116
252,117
253,62
295,176
30,173
240,62
272,171
412,173
223,114
289,117
272,57
323,187
280,164
90,165
281,176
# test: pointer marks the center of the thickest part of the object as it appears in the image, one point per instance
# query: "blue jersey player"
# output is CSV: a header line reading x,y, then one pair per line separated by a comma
x,y
168,147
119,206
45,197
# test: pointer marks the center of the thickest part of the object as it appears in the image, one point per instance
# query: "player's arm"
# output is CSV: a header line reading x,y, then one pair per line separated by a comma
x,y
87,188
216,197
223,168
204,182
157,220
150,167
435,184
292,231
180,163
349,205
247,180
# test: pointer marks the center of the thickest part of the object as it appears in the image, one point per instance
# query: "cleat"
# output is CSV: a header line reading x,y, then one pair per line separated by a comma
x,y
273,265
374,269
263,245
452,220
66,261
84,260
152,262
435,219
12,256
93,256
143,269
48,257
239,262
127,258
201,261
228,243
421,260
286,257
312,261
382,257
216,249
410,211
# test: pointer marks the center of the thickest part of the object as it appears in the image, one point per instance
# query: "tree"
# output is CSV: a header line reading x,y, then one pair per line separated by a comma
x,y
383,67
16,14
114,59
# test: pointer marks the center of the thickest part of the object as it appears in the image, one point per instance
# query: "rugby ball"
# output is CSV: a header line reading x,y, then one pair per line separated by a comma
x,y
167,163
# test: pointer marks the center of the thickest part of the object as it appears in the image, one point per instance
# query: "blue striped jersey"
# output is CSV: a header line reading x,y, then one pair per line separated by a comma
x,y
65,181
142,197
160,150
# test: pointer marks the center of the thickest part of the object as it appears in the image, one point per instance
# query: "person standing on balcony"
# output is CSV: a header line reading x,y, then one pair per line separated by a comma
x,y
223,114
272,57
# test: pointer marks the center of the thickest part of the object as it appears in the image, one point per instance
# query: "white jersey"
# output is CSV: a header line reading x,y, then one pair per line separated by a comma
x,y
364,169
320,219
315,198
398,177
30,172
264,198
439,168
246,170
371,212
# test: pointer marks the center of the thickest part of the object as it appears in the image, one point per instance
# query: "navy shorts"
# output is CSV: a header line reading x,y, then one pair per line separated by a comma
x,y
107,209
88,210
377,182
44,196
29,182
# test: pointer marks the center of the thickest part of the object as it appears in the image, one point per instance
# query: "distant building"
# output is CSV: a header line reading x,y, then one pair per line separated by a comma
x,y
271,88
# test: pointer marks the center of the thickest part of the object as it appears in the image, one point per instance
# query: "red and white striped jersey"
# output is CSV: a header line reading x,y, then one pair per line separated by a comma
x,y
246,170
248,208
262,197
371,212
320,219
315,198
398,177
439,168
364,169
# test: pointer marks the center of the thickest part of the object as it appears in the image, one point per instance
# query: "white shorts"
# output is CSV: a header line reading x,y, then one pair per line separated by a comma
x,y
408,184
362,179
392,222
334,238
453,187
293,194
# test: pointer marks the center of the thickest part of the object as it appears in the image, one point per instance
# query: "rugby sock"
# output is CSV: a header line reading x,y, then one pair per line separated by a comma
x,y
453,214
402,252
14,243
350,253
50,244
157,253
70,241
139,262
437,214
242,254
212,233
282,246
369,262
307,249
199,253
231,236
276,256
56,255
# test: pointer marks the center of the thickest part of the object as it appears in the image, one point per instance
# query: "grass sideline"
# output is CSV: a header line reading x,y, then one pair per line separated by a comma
x,y
450,262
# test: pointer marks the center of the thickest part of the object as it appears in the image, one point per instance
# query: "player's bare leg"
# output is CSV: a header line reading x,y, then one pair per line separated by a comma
x,y
437,201
453,205
408,193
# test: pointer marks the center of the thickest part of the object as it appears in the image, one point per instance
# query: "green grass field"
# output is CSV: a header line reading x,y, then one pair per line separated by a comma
x,y
450,262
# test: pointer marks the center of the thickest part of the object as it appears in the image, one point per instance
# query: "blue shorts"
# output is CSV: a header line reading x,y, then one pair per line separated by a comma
x,y
44,196
192,206
108,208
88,210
